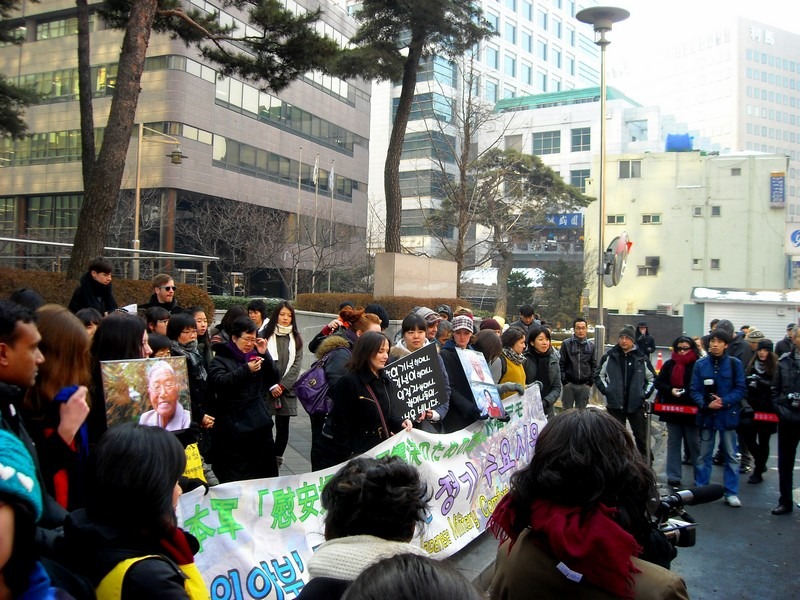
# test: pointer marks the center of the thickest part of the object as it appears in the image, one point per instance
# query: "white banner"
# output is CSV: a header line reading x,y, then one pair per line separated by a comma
x,y
257,536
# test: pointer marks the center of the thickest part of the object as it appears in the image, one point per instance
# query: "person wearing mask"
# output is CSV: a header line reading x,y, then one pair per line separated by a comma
x,y
566,533
463,408
672,384
362,414
577,362
756,431
286,345
625,377
786,397
94,288
163,294
541,367
718,387
644,341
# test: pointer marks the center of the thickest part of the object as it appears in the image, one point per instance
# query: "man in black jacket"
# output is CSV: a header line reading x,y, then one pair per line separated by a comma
x,y
94,289
577,362
787,343
626,378
786,397
163,294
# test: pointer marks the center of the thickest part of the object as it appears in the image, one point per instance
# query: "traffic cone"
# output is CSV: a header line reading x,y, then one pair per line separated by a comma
x,y
659,361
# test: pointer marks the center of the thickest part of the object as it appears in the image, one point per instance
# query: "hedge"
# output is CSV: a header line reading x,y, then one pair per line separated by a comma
x,y
53,287
397,306
226,302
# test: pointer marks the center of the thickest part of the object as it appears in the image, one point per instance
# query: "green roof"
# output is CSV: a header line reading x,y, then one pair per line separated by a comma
x,y
591,94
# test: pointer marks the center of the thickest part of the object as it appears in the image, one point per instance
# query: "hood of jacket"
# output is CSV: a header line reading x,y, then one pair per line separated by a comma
x,y
332,342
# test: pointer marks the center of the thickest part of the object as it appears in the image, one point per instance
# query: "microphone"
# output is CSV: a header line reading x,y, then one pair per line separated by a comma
x,y
696,495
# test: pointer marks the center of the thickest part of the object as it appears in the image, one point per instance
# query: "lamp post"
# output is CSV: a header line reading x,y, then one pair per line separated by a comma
x,y
602,18
176,157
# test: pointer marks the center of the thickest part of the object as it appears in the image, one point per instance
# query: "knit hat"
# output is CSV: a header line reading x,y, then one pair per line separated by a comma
x,y
726,326
790,326
627,331
765,344
18,474
754,335
445,309
429,316
490,324
463,322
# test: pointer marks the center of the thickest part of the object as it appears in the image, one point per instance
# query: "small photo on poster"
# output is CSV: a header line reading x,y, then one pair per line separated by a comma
x,y
483,386
150,391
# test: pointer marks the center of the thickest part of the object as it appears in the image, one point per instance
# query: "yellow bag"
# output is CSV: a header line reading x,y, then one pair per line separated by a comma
x,y
110,587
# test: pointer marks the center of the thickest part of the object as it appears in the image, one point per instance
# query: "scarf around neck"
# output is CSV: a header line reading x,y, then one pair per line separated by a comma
x,y
239,355
283,329
682,361
590,543
192,353
513,356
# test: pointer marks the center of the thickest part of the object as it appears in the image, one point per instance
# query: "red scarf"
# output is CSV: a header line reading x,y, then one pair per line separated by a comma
x,y
176,546
681,360
590,543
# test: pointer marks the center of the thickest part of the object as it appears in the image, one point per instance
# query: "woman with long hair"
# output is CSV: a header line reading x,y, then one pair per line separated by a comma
x,y
756,433
203,339
126,541
54,419
577,518
363,415
673,383
286,347
542,368
120,336
488,343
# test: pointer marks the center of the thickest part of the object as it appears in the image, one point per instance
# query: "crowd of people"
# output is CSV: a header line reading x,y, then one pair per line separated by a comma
x,y
92,506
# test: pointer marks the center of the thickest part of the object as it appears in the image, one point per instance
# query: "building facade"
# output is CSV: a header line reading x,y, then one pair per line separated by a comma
x,y
302,154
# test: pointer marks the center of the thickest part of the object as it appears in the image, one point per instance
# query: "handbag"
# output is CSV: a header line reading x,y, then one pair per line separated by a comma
x,y
380,412
313,390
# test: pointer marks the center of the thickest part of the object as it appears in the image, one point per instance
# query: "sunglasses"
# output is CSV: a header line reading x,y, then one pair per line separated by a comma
x,y
169,288
683,348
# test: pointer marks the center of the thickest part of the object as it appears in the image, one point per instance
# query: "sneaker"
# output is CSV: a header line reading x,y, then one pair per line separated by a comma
x,y
744,469
733,501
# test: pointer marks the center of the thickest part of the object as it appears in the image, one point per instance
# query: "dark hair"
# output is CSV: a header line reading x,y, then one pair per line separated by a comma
x,y
527,310
136,469
377,309
242,325
118,337
177,323
367,346
411,322
28,298
24,554
89,316
154,314
585,457
258,306
534,332
234,313
411,577
770,365
157,342
346,303
12,313
273,323
686,339
100,265
488,343
511,336
721,335
713,322
579,320
383,497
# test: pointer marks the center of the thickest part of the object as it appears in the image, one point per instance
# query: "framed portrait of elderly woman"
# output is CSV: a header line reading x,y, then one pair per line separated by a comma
x,y
150,391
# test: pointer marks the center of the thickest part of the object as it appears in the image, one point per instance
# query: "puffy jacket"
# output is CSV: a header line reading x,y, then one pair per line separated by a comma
x,y
787,381
577,361
728,375
626,380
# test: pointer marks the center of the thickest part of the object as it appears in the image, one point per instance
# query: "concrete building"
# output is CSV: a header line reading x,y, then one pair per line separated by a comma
x,y
695,220
242,145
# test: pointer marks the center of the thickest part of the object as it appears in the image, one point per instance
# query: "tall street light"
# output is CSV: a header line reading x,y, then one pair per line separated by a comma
x,y
176,157
602,18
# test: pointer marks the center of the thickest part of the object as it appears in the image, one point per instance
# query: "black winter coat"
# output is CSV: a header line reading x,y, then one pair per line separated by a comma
x,y
787,381
92,294
625,386
463,409
664,388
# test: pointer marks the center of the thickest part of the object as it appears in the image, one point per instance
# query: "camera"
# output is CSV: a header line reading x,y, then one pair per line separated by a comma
x,y
710,388
794,398
674,522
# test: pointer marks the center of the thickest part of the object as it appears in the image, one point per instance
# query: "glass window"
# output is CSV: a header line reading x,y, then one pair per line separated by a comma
x,y
526,73
541,49
541,81
511,65
492,57
526,41
581,139
651,219
511,33
630,169
578,177
491,90
546,142
494,21
527,10
615,219
541,19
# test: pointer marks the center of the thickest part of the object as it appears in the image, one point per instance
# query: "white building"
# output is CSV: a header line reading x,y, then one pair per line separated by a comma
x,y
695,221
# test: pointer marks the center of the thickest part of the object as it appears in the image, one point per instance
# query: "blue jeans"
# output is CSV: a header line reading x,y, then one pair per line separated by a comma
x,y
676,433
727,439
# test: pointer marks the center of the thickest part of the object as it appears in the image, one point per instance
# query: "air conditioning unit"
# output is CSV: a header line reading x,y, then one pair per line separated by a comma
x,y
664,309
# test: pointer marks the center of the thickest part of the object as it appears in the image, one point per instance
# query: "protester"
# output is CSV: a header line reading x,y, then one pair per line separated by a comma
x,y
512,359
90,319
160,345
286,347
331,327
157,319
444,331
445,312
431,321
489,344
463,409
542,367
56,421
527,314
94,288
220,334
673,383
787,342
377,309
786,396
182,332
576,519
756,432
126,541
373,508
203,339
163,294
31,299
491,325
362,415
240,375
257,311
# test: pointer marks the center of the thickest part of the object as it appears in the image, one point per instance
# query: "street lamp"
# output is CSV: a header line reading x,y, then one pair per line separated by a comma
x,y
176,157
602,18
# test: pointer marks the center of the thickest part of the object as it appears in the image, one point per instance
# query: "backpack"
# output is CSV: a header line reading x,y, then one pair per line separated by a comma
x,y
313,390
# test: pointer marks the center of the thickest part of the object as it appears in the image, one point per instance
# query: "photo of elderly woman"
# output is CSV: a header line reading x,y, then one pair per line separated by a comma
x,y
163,391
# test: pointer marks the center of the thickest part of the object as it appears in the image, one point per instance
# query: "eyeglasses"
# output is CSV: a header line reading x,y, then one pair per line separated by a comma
x,y
248,340
683,348
167,386
169,288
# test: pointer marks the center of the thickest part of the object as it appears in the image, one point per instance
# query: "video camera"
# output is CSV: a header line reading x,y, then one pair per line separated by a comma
x,y
674,522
